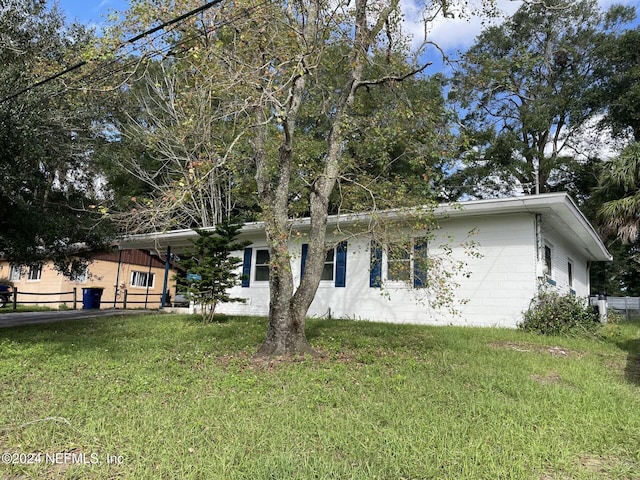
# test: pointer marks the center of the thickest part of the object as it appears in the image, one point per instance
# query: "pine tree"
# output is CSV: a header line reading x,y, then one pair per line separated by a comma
x,y
211,269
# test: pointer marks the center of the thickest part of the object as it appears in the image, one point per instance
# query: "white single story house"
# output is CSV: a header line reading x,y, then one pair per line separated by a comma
x,y
517,245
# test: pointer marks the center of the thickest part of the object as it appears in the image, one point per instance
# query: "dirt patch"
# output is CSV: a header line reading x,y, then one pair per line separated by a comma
x,y
595,466
548,379
604,466
554,351
249,361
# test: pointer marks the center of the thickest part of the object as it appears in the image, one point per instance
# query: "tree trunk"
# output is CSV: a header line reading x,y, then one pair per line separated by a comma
x,y
288,306
286,332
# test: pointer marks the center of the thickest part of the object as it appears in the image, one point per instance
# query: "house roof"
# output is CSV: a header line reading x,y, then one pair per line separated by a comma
x,y
559,211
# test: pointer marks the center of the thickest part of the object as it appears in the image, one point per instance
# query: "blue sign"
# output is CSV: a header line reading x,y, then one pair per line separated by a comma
x,y
194,277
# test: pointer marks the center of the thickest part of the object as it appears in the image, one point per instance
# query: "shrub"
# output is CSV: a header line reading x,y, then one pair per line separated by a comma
x,y
553,314
213,267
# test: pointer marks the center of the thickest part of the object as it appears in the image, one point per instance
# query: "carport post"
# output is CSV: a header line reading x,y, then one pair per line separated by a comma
x,y
166,277
117,286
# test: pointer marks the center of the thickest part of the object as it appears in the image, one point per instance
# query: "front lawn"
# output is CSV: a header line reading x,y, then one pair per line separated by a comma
x,y
165,396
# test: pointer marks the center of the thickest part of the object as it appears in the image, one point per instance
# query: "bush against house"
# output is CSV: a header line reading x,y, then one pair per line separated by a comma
x,y
211,269
551,313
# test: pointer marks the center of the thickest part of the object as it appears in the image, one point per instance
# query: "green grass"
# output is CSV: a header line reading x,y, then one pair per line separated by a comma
x,y
8,308
171,397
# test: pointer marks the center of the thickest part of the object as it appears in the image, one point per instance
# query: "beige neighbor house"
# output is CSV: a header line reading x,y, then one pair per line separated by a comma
x,y
128,279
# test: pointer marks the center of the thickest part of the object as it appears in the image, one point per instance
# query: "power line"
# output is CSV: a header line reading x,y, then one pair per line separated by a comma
x,y
129,41
175,20
104,72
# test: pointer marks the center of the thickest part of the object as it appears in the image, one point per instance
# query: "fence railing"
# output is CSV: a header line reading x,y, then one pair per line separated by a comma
x,y
629,306
128,299
149,299
15,293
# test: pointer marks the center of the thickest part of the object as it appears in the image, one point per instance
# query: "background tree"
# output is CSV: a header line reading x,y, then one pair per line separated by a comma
x,y
526,90
620,77
615,208
182,172
48,192
613,203
619,189
211,268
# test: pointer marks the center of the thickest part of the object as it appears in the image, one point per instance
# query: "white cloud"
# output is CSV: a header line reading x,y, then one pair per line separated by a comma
x,y
459,33
459,30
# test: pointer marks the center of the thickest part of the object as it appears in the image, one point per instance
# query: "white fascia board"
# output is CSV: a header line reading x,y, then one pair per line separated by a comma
x,y
561,204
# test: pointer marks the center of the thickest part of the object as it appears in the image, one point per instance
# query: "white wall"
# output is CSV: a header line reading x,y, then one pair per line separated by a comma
x,y
500,287
561,252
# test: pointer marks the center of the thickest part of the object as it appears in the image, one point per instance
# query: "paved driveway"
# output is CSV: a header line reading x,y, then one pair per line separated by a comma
x,y
15,319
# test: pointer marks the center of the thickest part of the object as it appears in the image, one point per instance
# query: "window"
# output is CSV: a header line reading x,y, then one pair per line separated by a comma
x,y
399,262
570,273
547,261
327,271
34,273
548,265
142,279
262,266
335,264
16,273
79,277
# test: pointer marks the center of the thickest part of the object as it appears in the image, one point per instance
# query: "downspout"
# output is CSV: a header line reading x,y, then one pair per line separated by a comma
x,y
539,247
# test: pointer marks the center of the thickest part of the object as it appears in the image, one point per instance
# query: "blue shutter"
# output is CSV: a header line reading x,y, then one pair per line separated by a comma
x,y
341,264
420,263
246,267
375,265
303,260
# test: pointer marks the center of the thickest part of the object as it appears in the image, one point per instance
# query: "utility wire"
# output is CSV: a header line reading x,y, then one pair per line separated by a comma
x,y
129,41
175,20
104,72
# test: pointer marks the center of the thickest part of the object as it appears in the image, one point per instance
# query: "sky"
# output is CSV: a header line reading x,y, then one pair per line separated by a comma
x,y
90,12
451,35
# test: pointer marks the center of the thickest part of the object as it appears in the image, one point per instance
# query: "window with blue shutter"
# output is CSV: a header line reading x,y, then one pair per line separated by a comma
x,y
246,267
375,265
335,264
262,266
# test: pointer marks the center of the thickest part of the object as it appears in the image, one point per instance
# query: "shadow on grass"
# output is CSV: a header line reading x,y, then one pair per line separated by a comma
x,y
122,335
632,370
365,334
198,319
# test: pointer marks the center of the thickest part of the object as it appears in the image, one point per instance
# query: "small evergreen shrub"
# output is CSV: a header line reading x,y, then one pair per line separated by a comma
x,y
553,314
212,267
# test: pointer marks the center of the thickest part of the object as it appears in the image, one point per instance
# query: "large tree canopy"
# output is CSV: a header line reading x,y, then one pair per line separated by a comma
x,y
526,89
620,77
303,97
619,192
47,135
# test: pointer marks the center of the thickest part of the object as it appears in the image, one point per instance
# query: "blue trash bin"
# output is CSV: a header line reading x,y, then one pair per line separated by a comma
x,y
91,298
